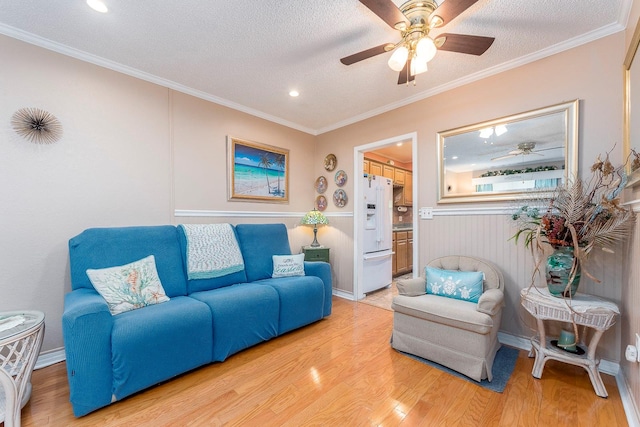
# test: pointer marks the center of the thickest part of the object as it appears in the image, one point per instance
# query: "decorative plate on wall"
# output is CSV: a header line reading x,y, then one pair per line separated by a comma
x,y
321,184
330,162
340,198
321,203
341,178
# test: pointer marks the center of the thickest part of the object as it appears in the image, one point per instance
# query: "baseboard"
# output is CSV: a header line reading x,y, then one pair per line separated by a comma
x,y
50,357
630,408
343,294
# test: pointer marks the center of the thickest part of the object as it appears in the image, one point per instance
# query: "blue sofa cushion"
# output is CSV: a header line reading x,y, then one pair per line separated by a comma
x,y
108,247
198,285
301,300
243,315
258,243
158,342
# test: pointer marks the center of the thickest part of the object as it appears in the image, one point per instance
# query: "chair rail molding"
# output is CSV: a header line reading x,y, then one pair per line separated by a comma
x,y
250,214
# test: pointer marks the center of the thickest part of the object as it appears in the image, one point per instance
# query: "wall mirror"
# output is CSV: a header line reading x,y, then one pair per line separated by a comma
x,y
631,116
527,154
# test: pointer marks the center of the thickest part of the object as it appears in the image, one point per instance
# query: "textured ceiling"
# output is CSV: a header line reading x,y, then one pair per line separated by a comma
x,y
249,54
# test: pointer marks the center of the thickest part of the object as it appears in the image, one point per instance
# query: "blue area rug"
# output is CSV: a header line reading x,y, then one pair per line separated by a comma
x,y
503,366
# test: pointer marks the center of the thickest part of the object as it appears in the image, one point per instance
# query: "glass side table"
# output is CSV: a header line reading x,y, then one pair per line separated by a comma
x,y
585,310
21,334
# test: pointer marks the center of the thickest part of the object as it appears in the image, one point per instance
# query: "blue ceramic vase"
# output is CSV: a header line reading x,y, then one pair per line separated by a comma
x,y
558,271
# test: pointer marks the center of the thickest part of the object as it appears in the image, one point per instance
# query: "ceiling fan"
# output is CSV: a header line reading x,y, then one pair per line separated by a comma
x,y
524,149
415,19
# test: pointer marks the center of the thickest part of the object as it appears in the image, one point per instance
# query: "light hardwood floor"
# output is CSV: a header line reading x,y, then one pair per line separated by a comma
x,y
340,371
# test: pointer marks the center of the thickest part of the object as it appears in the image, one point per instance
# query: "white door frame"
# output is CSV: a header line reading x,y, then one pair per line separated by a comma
x,y
358,210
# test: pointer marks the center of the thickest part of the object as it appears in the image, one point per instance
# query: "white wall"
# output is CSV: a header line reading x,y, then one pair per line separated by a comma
x,y
111,167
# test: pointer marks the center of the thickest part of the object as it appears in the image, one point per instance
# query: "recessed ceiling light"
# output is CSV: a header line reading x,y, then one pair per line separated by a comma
x,y
399,144
294,93
98,6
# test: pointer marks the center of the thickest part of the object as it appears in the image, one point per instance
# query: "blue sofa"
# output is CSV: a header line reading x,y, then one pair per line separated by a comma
x,y
110,357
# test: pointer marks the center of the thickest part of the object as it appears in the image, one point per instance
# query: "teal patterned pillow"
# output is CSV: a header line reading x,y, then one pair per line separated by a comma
x,y
128,287
462,285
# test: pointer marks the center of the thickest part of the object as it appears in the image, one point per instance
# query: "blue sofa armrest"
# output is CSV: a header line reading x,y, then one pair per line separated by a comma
x,y
322,270
86,330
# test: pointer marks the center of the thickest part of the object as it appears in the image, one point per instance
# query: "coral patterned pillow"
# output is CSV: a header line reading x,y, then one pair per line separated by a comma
x,y
128,287
462,285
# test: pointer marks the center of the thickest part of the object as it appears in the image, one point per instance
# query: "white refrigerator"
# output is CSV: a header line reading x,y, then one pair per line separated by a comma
x,y
377,235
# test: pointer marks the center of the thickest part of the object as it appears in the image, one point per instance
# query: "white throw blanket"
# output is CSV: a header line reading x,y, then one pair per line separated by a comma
x,y
212,251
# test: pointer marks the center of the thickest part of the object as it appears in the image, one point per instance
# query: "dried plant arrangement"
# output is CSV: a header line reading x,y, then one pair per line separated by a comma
x,y
581,214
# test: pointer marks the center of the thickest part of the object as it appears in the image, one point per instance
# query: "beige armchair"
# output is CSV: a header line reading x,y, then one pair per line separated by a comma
x,y
460,335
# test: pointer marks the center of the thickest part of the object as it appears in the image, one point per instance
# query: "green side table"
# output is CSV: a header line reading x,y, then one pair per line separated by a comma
x,y
315,254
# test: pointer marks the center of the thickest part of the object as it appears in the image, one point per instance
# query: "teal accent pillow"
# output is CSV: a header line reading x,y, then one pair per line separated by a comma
x,y
462,285
288,265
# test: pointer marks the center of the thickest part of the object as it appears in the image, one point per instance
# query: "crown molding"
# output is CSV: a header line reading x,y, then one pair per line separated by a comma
x,y
115,66
33,39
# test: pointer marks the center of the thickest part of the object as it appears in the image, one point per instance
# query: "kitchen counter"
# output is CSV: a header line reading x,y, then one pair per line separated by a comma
x,y
402,227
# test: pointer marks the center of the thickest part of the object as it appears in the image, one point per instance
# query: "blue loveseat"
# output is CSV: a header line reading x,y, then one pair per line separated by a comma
x,y
110,357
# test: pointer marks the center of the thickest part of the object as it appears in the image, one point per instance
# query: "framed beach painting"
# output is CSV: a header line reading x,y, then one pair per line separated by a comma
x,y
257,172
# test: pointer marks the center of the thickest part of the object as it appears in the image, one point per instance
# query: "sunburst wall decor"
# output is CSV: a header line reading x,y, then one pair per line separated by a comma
x,y
36,125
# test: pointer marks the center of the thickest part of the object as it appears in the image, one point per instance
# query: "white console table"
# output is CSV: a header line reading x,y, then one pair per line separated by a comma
x,y
584,310
21,334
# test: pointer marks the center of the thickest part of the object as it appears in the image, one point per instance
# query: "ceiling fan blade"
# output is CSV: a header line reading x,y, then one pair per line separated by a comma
x,y
448,10
387,11
549,148
402,77
357,57
464,43
504,157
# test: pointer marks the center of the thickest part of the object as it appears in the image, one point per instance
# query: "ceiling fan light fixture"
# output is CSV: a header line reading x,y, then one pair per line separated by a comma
x,y
425,49
399,58
500,129
486,133
417,67
98,6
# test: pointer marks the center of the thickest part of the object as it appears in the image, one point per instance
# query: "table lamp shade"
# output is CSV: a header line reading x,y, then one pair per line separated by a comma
x,y
315,218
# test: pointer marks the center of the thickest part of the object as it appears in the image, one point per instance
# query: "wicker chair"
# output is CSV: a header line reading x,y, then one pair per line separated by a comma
x,y
460,335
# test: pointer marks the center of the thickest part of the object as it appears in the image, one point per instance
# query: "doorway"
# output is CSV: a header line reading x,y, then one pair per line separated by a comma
x,y
385,148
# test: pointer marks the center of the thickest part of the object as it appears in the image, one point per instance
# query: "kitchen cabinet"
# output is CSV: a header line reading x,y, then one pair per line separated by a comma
x,y
401,252
375,168
388,172
394,263
403,196
407,190
402,261
410,251
402,180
